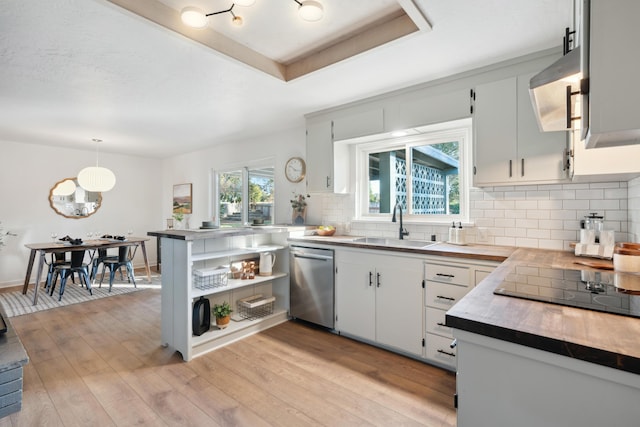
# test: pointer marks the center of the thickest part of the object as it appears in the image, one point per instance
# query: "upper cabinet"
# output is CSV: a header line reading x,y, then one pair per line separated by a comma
x,y
435,105
612,38
320,157
361,123
508,146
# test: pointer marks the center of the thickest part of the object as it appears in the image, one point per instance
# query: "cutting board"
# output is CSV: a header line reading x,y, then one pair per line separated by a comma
x,y
605,265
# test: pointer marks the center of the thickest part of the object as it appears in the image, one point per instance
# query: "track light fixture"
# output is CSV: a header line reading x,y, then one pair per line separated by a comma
x,y
308,10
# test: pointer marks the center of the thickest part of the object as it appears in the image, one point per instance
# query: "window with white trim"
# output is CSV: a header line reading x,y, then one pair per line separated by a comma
x,y
427,172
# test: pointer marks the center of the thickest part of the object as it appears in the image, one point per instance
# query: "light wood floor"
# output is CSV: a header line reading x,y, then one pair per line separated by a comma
x,y
100,364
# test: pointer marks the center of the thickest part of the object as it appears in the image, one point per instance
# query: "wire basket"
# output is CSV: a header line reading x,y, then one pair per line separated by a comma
x,y
208,278
255,306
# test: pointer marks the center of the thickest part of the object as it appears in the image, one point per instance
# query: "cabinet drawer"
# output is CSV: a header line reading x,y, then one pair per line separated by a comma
x,y
439,350
443,296
447,274
434,322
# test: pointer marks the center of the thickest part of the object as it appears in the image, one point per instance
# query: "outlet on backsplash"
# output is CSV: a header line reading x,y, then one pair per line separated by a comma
x,y
482,235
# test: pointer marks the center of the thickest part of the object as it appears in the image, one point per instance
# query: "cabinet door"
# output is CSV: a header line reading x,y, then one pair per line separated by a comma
x,y
319,157
355,295
399,302
358,124
613,66
427,107
495,130
540,154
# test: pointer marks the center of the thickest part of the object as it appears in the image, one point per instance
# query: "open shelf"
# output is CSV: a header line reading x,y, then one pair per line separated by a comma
x,y
235,284
215,338
235,252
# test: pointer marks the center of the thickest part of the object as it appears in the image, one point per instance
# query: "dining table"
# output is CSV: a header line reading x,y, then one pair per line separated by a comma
x,y
42,249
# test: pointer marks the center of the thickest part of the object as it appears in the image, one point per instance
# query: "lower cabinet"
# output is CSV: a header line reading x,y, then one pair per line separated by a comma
x,y
500,383
446,282
378,299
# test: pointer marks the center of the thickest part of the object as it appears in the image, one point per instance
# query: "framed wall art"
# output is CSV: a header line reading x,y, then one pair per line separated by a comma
x,y
182,198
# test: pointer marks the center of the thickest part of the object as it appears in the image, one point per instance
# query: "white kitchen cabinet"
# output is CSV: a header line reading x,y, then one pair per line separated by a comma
x,y
613,70
446,282
378,299
500,383
430,106
320,157
179,260
508,146
327,163
604,164
358,123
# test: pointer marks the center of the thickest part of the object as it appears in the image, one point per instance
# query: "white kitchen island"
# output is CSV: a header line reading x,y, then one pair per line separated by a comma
x,y
532,363
185,251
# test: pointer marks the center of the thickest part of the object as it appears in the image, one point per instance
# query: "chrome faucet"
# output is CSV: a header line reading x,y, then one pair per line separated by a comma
x,y
402,231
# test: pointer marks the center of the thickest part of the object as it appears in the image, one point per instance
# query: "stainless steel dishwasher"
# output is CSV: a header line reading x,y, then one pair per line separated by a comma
x,y
312,285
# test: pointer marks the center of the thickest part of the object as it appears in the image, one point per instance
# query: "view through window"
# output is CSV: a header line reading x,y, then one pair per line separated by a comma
x,y
423,173
246,196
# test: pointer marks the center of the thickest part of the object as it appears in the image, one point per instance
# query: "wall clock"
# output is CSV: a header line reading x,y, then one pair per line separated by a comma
x,y
295,169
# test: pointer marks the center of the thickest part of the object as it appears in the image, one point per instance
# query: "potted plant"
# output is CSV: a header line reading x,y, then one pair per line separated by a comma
x,y
179,217
299,205
222,313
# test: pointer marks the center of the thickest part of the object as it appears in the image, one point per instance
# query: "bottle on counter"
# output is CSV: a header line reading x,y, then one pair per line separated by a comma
x,y
452,233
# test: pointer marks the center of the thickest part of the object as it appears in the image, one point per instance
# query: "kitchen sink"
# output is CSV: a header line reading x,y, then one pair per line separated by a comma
x,y
385,241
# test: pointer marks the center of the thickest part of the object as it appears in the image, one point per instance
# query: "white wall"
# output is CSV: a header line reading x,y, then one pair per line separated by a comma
x,y
196,168
28,172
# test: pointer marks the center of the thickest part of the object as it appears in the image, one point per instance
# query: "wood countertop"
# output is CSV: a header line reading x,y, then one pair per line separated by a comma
x,y
603,338
472,251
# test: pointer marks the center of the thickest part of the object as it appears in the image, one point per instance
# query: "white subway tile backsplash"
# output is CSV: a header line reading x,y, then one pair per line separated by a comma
x,y
576,204
536,216
590,194
615,193
600,205
550,204
562,194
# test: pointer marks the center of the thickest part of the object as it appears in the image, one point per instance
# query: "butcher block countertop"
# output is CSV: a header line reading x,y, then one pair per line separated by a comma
x,y
603,338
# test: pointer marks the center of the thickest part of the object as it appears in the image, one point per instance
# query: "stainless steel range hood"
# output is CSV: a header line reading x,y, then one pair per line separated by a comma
x,y
550,96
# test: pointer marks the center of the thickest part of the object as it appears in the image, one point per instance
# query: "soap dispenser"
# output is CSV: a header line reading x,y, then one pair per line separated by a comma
x,y
460,234
452,233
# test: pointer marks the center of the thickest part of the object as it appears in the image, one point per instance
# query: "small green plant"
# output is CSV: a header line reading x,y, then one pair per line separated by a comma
x,y
178,216
221,310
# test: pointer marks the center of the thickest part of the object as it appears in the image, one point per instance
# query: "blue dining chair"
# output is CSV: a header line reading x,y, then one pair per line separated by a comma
x,y
77,266
114,265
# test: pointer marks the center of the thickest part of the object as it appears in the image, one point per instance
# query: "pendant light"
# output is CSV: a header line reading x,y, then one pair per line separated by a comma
x,y
95,178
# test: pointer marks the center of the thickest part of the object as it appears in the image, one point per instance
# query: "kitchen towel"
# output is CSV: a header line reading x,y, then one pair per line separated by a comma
x,y
596,251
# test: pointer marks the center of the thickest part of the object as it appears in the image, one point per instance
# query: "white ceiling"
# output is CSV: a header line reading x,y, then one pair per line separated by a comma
x,y
73,70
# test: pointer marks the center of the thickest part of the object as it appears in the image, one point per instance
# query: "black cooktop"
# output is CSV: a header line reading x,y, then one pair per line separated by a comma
x,y
606,291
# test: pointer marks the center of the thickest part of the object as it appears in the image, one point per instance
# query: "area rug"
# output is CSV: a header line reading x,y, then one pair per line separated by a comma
x,y
16,304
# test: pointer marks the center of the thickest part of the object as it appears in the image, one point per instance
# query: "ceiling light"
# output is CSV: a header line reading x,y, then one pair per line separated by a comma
x,y
194,17
310,10
95,178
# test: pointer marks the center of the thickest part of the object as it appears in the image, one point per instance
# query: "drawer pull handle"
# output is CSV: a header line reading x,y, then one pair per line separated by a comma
x,y
378,279
445,275
448,353
447,298
441,324
370,278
